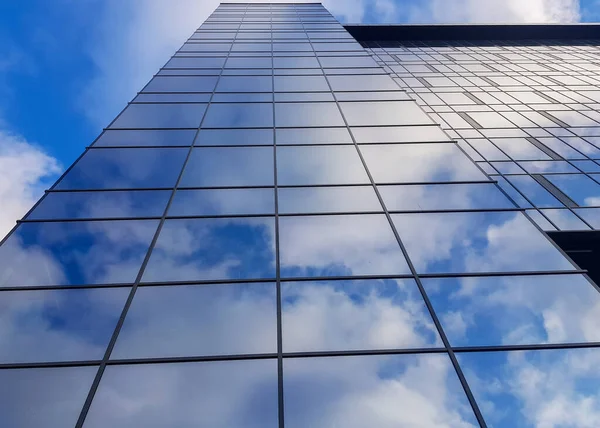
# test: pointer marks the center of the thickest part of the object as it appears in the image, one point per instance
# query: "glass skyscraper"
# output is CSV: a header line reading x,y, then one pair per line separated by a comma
x,y
297,224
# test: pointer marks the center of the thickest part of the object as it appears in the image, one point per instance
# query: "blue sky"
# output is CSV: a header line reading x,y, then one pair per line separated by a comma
x,y
68,67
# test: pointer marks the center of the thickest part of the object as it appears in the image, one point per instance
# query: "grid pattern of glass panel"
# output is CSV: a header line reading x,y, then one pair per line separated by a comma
x,y
527,112
274,234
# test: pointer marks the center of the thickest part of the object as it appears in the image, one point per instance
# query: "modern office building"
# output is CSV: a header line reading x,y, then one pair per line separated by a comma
x,y
299,224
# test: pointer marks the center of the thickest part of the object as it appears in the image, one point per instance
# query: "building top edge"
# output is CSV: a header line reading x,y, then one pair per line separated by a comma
x,y
363,32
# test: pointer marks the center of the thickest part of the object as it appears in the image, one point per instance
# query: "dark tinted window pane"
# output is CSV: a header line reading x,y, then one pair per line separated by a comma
x,y
223,202
125,168
146,138
203,395
307,114
249,115
222,319
48,397
72,253
114,204
339,245
229,166
399,391
242,137
353,316
181,84
160,116
59,325
207,249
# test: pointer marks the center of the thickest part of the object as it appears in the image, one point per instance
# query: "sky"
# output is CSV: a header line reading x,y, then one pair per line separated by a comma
x,y
68,67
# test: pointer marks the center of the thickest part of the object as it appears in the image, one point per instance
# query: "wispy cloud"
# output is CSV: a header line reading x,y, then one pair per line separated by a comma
x,y
25,171
496,11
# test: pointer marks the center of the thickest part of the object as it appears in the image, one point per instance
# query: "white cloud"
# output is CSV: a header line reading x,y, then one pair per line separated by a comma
x,y
497,11
25,171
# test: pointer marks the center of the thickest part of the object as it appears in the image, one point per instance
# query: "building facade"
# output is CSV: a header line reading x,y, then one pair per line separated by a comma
x,y
293,227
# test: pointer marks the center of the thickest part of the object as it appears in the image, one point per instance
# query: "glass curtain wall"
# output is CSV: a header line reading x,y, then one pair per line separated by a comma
x,y
274,234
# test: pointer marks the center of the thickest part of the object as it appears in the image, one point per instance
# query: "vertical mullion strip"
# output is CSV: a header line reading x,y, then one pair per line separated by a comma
x,y
434,317
280,403
113,340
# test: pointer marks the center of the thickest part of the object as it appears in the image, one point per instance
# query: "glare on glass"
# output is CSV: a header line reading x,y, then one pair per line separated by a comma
x,y
199,320
353,315
208,395
339,245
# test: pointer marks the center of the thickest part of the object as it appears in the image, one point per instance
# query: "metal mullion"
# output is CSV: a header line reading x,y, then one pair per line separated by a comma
x,y
105,359
280,401
307,354
436,321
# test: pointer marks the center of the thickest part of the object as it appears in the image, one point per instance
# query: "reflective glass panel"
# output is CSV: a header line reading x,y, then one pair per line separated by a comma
x,y
384,113
208,249
353,315
300,83
399,134
382,391
58,325
245,84
515,310
114,204
476,242
242,137
178,321
304,165
229,166
336,245
160,116
74,253
175,137
223,202
434,162
249,115
533,191
125,169
580,188
366,82
520,149
530,389
204,395
181,84
46,397
328,199
307,114
195,63
313,136
443,197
